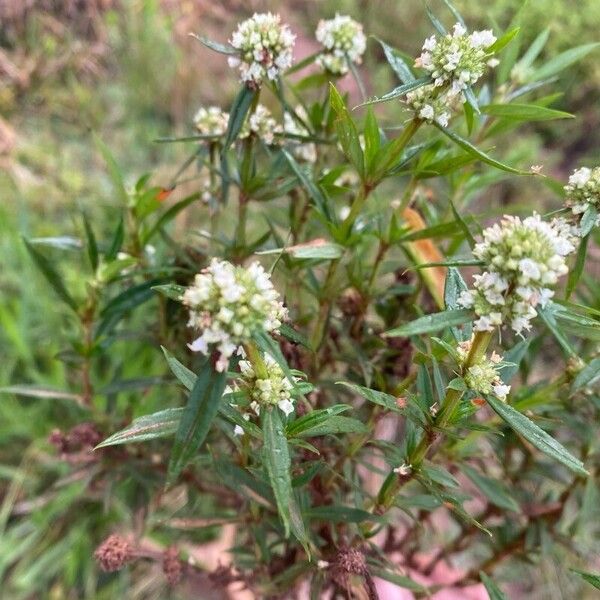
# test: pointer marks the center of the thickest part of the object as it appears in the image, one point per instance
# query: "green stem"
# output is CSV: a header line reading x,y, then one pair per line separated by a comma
x,y
392,485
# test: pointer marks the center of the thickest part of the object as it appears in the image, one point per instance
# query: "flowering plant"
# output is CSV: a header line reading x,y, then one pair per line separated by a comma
x,y
352,342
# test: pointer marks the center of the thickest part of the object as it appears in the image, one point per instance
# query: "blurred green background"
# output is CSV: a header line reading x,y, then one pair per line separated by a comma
x,y
129,71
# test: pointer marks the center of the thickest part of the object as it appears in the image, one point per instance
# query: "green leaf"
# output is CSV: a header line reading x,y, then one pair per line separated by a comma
x,y
198,415
169,215
114,171
575,273
513,357
334,425
504,40
276,457
34,391
216,46
431,323
333,513
346,130
397,62
401,90
315,418
466,145
314,192
62,242
547,315
92,246
591,578
525,112
588,376
400,580
495,491
149,427
183,374
372,139
588,220
317,249
170,290
453,288
562,61
291,334
237,115
492,589
435,21
116,242
380,398
536,436
533,51
51,275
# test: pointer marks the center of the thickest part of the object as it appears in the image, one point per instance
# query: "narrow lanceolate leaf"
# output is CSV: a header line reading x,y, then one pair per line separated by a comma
x,y
314,418
315,249
381,398
346,130
334,425
495,491
401,90
588,376
52,275
591,578
169,215
397,62
562,61
183,374
504,40
453,288
216,46
149,427
237,116
114,171
92,246
431,323
492,589
525,112
575,273
536,436
198,415
314,192
466,145
33,391
588,220
170,290
276,458
340,514
513,358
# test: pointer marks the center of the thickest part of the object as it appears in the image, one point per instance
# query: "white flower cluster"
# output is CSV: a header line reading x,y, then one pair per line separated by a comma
x,y
262,124
344,40
211,121
522,259
430,105
228,304
303,151
583,190
483,377
264,48
457,60
274,389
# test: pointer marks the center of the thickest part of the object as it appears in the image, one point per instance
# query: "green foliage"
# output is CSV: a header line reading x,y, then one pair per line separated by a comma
x,y
362,243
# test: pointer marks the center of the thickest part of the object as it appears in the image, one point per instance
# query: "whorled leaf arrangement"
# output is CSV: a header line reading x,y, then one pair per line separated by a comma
x,y
361,230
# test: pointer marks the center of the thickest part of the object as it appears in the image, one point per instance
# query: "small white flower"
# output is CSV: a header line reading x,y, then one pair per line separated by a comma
x,y
228,304
322,564
264,48
583,191
211,121
343,40
238,430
